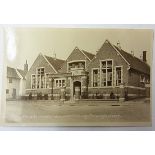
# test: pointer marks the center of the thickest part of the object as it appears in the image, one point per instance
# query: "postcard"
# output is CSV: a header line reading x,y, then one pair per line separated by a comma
x,y
75,76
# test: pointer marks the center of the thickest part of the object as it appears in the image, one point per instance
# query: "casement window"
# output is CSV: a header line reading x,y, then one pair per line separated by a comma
x,y
47,80
106,73
118,71
40,78
60,83
7,91
63,83
33,81
95,76
10,80
142,78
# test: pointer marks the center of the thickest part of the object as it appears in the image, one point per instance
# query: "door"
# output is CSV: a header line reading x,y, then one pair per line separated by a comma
x,y
77,87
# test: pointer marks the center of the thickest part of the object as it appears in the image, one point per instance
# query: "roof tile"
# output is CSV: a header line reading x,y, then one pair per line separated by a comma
x,y
135,63
56,63
89,55
11,72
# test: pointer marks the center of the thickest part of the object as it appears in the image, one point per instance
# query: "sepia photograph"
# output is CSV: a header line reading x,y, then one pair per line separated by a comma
x,y
77,76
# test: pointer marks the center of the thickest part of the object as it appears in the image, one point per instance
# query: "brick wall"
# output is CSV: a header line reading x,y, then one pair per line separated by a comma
x,y
39,62
108,52
134,78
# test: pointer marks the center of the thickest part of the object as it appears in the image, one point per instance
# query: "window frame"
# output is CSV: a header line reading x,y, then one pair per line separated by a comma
x,y
7,91
106,68
40,78
93,78
116,75
60,83
35,80
46,81
74,61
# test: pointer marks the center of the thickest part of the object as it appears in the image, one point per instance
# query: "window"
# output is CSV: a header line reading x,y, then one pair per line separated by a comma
x,y
60,83
40,71
118,75
57,83
109,77
95,77
76,65
33,81
42,81
63,83
10,80
47,81
7,91
104,78
40,78
106,73
38,81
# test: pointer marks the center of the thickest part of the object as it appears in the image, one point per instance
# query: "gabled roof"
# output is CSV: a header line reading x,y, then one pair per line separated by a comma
x,y
56,63
15,73
90,56
11,73
22,73
135,63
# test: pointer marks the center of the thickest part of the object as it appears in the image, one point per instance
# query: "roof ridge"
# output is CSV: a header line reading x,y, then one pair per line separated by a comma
x,y
127,52
133,56
11,67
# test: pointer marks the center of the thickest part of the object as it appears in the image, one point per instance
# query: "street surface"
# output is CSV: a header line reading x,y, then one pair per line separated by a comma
x,y
76,112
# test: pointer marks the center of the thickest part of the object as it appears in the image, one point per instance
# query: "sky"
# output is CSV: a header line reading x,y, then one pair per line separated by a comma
x,y
26,43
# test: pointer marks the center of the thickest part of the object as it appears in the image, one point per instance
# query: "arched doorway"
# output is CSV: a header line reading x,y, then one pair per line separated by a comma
x,y
77,85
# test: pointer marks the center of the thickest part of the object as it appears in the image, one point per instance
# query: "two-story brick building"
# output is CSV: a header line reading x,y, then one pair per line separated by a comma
x,y
84,75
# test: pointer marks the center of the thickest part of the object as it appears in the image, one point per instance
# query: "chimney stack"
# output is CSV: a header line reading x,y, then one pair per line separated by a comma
x,y
144,56
55,56
119,45
26,66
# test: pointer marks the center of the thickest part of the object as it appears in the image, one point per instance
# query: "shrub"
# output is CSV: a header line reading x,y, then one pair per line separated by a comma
x,y
84,95
46,96
39,96
112,96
